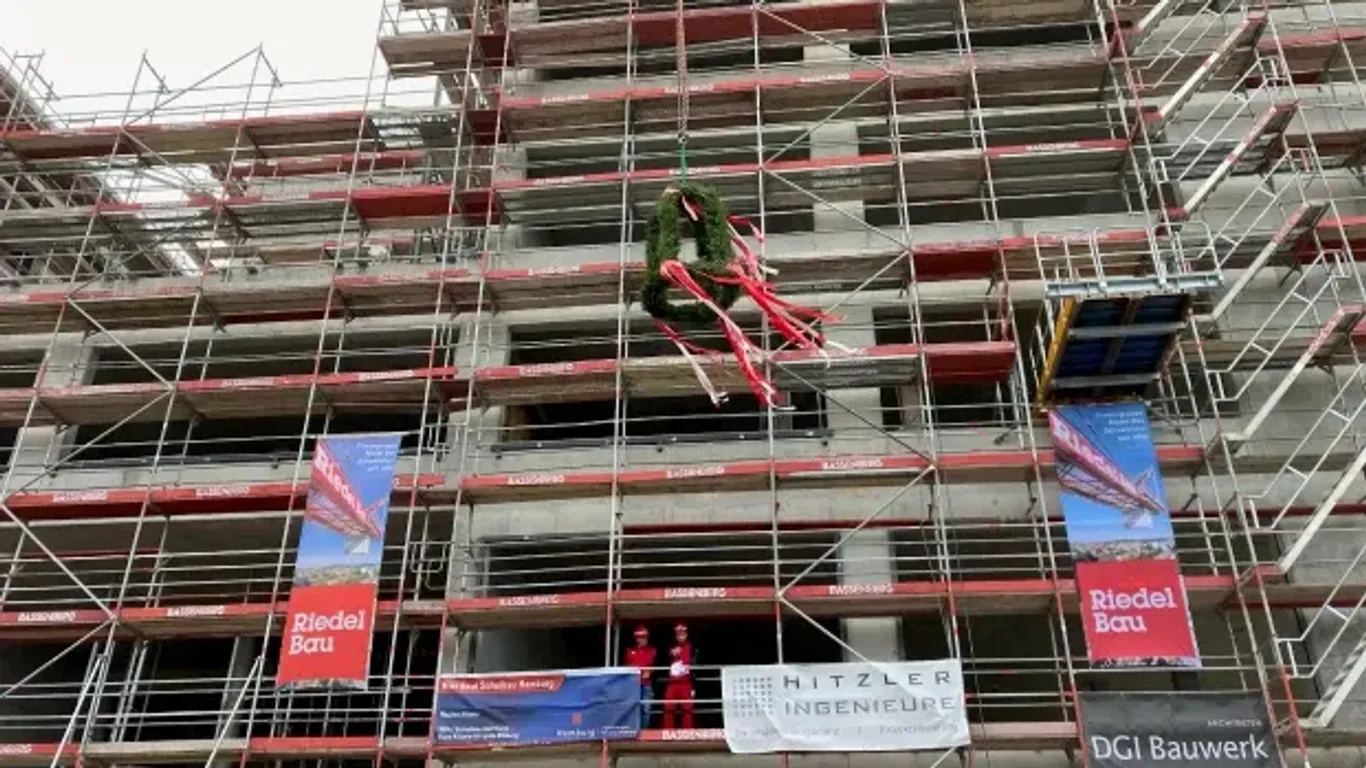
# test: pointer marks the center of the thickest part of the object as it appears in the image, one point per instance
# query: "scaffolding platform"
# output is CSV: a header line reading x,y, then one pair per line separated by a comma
x,y
548,609
604,38
228,298
931,175
188,619
798,370
339,133
407,389
1007,736
290,293
857,91
1109,347
370,391
958,174
825,472
191,499
833,471
207,142
233,298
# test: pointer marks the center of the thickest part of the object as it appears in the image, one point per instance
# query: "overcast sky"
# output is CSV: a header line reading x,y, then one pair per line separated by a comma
x,y
95,45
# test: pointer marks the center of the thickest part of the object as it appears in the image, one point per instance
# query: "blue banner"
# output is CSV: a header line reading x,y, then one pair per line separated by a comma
x,y
349,487
1113,502
538,708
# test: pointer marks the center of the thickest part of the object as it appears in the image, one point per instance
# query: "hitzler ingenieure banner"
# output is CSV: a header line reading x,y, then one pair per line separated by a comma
x,y
1119,531
1177,730
331,620
852,707
538,708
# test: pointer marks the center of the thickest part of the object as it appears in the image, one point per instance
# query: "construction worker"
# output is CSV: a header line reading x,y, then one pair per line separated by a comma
x,y
678,692
642,656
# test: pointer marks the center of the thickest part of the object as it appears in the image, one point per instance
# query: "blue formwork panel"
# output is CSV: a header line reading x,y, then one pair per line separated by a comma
x,y
1108,347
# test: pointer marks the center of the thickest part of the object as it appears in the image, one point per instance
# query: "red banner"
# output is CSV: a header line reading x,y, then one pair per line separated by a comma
x,y
327,635
1134,612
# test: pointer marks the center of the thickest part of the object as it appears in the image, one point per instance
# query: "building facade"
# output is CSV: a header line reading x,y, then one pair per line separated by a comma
x,y
1010,204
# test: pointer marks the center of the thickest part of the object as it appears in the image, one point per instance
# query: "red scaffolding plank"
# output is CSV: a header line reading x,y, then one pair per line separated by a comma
x,y
427,52
821,472
191,619
672,375
996,736
219,498
373,391
191,142
292,394
985,597
561,609
731,101
149,305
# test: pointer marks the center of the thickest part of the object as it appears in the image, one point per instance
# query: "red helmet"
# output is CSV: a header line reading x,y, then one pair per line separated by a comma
x,y
641,631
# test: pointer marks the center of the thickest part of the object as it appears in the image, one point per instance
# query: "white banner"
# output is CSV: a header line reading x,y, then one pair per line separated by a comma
x,y
855,707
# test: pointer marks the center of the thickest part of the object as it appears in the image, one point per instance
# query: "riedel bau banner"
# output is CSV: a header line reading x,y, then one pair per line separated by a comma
x,y
336,572
1179,730
851,707
1135,611
1133,600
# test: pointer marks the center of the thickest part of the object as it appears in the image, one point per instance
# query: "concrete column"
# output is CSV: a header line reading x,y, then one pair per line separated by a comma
x,y
838,138
456,646
851,413
868,558
245,649
243,657
71,363
487,345
521,14
462,581
510,161
510,164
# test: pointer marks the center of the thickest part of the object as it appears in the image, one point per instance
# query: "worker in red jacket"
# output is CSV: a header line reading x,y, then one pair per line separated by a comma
x,y
642,656
678,693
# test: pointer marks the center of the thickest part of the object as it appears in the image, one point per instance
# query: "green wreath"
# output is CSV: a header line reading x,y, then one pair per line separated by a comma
x,y
662,242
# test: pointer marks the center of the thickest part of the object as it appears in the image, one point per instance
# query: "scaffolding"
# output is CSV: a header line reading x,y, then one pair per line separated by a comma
x,y
1012,204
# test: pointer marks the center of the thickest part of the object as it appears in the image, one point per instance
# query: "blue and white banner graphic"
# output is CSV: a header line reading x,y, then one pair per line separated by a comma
x,y
331,619
1133,599
1112,497
538,708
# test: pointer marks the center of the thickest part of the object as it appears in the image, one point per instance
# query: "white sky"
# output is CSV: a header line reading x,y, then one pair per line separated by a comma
x,y
95,45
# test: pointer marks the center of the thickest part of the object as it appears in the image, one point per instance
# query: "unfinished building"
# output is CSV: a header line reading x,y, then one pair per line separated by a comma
x,y
1000,198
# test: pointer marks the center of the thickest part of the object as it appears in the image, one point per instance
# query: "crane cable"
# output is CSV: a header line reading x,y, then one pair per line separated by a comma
x,y
681,52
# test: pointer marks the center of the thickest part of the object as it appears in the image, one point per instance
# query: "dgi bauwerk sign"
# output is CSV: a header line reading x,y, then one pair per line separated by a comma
x,y
1176,730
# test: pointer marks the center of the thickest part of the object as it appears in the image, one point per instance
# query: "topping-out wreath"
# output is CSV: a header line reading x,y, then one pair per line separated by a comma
x,y
725,269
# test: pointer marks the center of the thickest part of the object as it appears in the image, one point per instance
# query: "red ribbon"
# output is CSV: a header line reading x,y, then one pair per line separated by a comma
x,y
792,321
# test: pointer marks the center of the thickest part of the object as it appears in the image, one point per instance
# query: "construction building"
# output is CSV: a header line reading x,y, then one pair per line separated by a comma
x,y
1009,202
